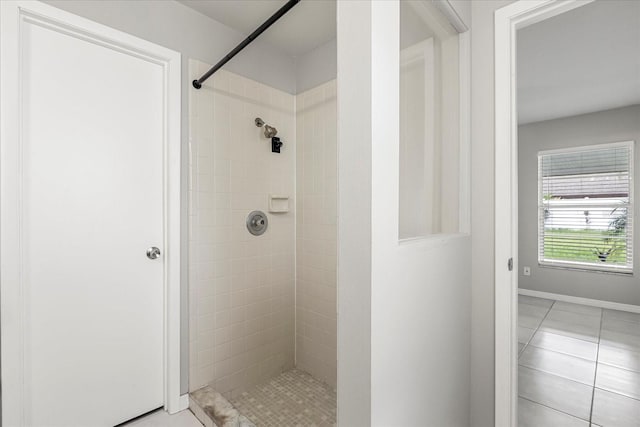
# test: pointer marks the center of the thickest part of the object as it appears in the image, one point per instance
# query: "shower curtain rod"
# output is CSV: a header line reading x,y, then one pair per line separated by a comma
x,y
284,9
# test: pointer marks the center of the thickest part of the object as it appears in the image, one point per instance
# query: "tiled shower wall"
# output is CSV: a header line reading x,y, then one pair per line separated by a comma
x,y
241,287
317,189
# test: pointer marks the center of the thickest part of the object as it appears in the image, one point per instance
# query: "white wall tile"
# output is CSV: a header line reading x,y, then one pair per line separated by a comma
x,y
316,321
231,272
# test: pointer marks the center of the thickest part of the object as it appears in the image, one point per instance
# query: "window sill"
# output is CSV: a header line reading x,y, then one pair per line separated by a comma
x,y
590,268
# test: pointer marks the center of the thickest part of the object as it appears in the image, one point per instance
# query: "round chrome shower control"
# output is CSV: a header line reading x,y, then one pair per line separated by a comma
x,y
153,253
257,223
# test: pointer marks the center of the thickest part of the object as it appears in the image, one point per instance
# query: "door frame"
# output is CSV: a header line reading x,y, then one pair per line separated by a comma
x,y
14,323
508,20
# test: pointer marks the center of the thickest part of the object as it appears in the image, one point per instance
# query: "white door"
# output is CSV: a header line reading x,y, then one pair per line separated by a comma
x,y
90,199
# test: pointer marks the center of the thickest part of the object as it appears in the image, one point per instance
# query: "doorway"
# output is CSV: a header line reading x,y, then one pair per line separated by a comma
x,y
549,204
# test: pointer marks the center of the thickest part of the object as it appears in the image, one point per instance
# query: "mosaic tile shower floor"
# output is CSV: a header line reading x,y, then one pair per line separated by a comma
x,y
292,399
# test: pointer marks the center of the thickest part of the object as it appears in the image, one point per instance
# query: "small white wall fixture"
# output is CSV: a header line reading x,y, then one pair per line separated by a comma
x,y
16,15
507,21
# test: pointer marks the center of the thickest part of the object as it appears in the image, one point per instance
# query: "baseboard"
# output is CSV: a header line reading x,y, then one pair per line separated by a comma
x,y
579,300
183,402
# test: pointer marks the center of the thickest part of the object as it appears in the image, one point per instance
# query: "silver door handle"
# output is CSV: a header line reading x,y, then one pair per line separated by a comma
x,y
153,252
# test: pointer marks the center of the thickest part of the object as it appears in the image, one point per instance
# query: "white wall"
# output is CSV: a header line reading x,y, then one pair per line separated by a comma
x,y
482,211
241,287
420,288
178,27
316,232
354,213
622,124
316,66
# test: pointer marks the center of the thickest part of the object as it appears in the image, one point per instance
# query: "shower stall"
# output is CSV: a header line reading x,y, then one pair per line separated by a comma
x,y
263,209
262,236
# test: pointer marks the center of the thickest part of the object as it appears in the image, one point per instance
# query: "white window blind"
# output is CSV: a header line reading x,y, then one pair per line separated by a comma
x,y
585,207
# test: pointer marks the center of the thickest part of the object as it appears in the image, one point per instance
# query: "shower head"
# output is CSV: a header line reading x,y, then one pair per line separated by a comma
x,y
269,131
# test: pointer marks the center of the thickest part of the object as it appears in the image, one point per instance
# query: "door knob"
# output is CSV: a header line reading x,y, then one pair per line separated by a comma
x,y
153,252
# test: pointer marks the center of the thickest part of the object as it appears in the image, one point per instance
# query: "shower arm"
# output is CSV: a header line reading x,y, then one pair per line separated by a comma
x,y
284,9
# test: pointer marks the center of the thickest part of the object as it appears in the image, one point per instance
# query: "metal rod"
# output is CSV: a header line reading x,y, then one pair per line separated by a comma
x,y
284,9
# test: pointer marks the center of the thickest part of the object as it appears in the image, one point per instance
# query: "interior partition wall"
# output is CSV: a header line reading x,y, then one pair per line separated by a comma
x,y
404,291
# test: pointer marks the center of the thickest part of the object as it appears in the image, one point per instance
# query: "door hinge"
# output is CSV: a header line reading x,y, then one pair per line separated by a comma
x,y
510,264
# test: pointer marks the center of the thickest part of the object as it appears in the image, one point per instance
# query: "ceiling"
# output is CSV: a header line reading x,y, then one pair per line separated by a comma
x,y
311,23
579,62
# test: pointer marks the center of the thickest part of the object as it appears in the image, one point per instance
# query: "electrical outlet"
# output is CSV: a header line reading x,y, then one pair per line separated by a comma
x,y
527,271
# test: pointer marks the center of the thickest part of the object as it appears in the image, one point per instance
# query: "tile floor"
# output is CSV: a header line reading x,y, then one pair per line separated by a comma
x,y
578,365
292,399
160,418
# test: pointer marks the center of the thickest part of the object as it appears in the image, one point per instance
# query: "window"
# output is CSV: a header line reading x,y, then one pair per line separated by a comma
x,y
585,207
430,147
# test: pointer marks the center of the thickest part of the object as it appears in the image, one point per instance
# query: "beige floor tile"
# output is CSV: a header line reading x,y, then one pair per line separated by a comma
x,y
563,365
530,316
567,345
531,414
619,357
623,326
559,393
574,325
540,302
621,315
525,334
572,345
293,398
614,410
577,308
619,339
618,380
